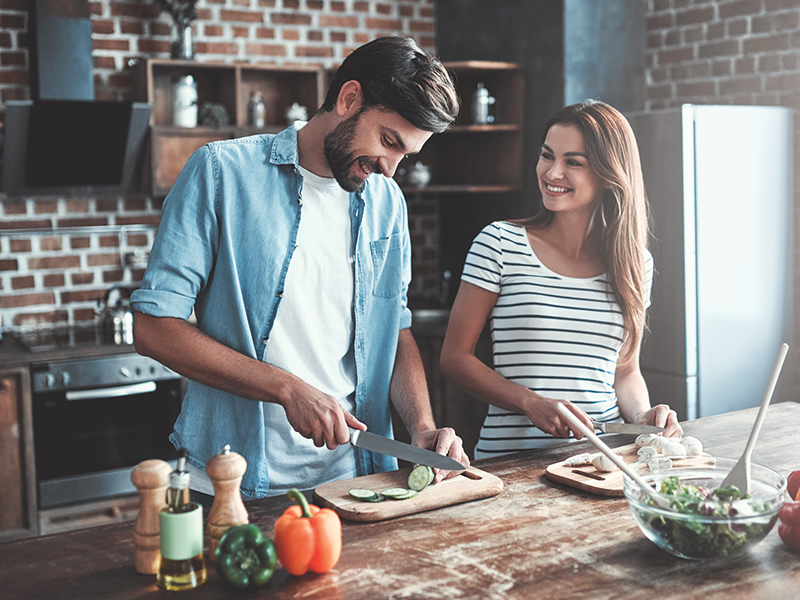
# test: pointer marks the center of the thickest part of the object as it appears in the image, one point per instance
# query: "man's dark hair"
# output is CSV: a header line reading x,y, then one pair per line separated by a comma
x,y
395,73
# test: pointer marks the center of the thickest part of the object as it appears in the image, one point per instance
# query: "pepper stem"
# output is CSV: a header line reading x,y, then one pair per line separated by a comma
x,y
298,497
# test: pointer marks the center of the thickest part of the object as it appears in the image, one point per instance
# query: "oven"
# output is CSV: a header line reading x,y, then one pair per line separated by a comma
x,y
96,418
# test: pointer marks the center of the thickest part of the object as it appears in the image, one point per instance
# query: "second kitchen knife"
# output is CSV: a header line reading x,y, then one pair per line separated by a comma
x,y
401,450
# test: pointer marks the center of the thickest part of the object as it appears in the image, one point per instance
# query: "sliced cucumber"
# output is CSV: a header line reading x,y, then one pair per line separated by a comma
x,y
420,477
395,492
364,494
376,498
399,493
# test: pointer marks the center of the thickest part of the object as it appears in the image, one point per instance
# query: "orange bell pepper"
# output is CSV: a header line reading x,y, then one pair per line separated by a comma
x,y
308,537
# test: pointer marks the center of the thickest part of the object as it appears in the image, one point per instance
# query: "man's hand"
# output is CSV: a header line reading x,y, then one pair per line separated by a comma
x,y
442,441
318,416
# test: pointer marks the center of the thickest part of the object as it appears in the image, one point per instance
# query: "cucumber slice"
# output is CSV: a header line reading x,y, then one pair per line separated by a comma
x,y
395,492
420,477
363,494
376,498
399,493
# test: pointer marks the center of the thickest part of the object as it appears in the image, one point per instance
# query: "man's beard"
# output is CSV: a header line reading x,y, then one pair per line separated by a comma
x,y
337,148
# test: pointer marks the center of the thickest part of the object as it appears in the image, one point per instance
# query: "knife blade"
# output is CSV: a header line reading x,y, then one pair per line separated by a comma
x,y
626,427
407,452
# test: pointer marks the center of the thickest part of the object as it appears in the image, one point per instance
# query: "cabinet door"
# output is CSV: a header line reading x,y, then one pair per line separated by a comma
x,y
18,516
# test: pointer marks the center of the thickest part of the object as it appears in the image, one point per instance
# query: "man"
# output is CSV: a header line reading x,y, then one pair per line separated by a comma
x,y
294,251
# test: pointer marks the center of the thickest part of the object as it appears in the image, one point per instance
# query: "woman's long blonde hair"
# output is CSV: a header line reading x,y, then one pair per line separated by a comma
x,y
612,152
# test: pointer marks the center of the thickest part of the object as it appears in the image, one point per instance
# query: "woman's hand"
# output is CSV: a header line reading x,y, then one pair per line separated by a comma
x,y
543,413
661,415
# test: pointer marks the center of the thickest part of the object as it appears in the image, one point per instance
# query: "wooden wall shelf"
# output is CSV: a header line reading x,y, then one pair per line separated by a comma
x,y
220,83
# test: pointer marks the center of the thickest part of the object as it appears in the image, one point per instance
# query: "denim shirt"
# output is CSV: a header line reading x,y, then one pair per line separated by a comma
x,y
224,246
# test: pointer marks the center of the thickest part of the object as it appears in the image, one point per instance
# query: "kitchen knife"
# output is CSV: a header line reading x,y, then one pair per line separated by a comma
x,y
407,452
626,428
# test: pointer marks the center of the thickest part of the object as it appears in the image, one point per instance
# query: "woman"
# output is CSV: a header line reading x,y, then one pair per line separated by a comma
x,y
567,291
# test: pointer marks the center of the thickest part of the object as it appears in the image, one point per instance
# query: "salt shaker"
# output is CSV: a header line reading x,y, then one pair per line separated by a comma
x,y
150,477
225,470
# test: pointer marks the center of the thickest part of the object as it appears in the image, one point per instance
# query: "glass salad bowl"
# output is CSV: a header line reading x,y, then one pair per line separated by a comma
x,y
703,521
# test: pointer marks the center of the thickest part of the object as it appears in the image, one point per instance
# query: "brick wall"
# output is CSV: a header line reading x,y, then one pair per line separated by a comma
x,y
80,246
743,52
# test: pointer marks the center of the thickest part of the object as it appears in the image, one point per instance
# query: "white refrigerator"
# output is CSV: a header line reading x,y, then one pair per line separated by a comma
x,y
719,180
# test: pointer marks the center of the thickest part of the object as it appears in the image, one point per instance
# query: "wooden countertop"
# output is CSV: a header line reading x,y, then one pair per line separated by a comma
x,y
536,539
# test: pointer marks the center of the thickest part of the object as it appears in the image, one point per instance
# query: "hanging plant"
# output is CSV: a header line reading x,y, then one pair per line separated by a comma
x,y
183,12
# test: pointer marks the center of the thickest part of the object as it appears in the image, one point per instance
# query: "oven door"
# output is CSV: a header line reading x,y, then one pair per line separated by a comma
x,y
87,440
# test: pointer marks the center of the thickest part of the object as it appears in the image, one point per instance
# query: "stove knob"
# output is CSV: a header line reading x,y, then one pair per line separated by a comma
x,y
126,372
49,380
65,378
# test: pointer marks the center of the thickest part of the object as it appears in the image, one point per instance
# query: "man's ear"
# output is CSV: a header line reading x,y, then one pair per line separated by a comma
x,y
349,99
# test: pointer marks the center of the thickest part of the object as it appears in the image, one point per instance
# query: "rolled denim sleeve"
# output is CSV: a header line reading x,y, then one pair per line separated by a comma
x,y
186,242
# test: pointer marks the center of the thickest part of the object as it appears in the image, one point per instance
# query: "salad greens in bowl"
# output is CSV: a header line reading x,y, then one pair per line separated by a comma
x,y
705,521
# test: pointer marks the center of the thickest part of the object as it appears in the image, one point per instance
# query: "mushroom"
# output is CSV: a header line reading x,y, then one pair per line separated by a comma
x,y
645,439
673,447
658,443
693,446
578,460
602,463
659,463
645,453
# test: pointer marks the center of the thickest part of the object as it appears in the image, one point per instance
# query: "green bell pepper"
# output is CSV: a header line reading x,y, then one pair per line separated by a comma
x,y
245,557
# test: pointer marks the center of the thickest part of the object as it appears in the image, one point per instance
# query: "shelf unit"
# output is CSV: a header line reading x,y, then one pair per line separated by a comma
x,y
229,85
478,159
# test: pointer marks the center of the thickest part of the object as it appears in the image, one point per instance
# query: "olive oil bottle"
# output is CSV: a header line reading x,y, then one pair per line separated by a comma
x,y
181,530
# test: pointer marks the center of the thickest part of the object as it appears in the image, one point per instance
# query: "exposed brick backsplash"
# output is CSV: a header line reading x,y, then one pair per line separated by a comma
x,y
57,278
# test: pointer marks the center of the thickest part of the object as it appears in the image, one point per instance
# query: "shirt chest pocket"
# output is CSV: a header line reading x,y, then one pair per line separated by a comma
x,y
387,265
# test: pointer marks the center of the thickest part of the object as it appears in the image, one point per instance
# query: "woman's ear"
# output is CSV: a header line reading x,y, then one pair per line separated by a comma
x,y
349,99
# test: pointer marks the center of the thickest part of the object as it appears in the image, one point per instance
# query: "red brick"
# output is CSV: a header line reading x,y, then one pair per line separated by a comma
x,y
783,82
722,68
115,45
739,8
9,21
7,301
74,206
290,34
99,260
104,62
383,8
337,6
331,21
113,276
383,24
130,204
291,4
102,27
54,262
337,36
17,59
71,296
82,278
77,243
212,30
406,10
243,16
265,33
20,245
22,283
422,26
83,314
216,48
766,44
137,240
240,32
14,76
320,51
741,84
82,222
159,28
54,280
142,10
149,46
666,57
50,244
744,66
109,241
694,15
661,21
26,224
129,27
265,49
695,89
314,4
361,6
659,91
9,264
736,27
769,63
5,40
289,19
138,219
726,48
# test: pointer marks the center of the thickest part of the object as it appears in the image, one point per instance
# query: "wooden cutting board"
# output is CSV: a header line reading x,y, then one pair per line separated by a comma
x,y
473,484
586,477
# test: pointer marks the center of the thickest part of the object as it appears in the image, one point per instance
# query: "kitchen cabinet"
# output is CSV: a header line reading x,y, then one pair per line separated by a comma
x,y
222,86
18,516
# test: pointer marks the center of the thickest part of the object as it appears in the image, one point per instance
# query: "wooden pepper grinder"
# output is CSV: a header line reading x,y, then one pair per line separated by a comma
x,y
151,478
226,470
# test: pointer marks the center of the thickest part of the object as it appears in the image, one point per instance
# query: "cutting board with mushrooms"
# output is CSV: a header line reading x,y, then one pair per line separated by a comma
x,y
579,472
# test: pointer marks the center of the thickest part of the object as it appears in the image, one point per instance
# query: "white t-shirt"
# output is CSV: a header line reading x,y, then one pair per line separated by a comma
x,y
559,336
312,337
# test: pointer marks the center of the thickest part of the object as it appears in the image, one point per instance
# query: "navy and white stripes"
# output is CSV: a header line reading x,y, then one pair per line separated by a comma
x,y
558,336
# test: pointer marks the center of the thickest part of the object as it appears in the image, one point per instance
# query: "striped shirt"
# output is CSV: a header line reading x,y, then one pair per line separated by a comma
x,y
558,336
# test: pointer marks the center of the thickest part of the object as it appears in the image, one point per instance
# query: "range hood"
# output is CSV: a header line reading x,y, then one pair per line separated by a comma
x,y
63,141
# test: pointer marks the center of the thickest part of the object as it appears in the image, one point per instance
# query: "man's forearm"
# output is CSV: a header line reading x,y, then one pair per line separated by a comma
x,y
409,389
197,356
